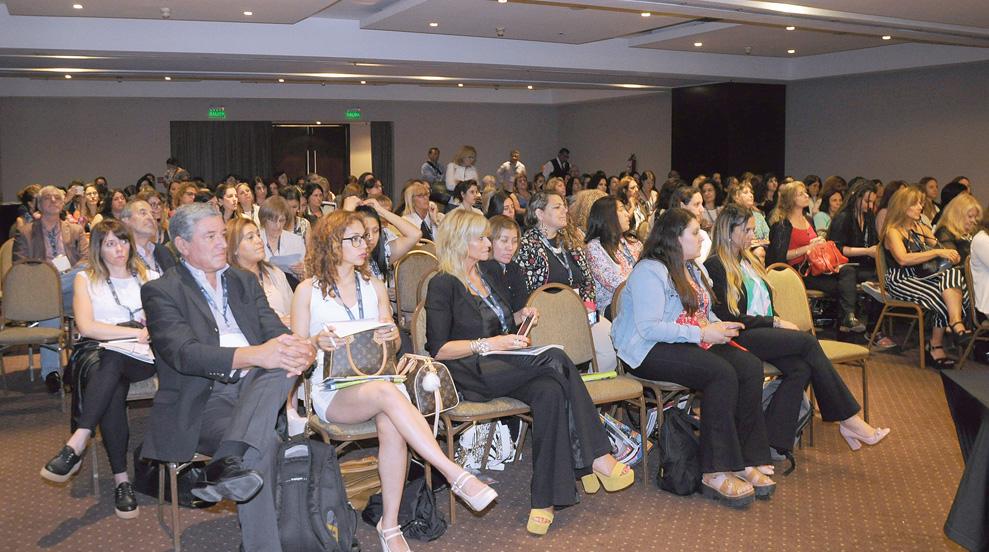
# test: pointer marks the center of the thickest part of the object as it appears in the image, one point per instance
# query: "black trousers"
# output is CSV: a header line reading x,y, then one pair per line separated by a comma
x,y
733,431
105,402
840,286
567,434
799,356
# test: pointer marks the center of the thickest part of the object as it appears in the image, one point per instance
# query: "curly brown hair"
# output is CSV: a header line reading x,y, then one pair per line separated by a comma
x,y
325,253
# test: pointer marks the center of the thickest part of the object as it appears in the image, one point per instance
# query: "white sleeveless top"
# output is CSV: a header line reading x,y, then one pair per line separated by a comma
x,y
105,307
326,311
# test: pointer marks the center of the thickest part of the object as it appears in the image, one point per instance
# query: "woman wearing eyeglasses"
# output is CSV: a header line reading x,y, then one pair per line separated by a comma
x,y
342,288
107,304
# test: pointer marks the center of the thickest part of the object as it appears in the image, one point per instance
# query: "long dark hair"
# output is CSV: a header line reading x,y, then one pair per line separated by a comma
x,y
376,255
603,224
663,245
853,198
496,204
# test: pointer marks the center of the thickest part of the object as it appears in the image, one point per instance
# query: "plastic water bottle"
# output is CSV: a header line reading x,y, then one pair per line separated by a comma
x,y
592,312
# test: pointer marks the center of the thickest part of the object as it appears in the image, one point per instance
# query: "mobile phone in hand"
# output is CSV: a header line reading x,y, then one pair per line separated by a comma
x,y
526,326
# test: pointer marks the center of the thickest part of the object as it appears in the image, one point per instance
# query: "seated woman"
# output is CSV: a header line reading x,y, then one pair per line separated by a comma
x,y
245,250
909,243
791,236
628,193
343,289
296,224
312,192
226,195
739,285
690,198
286,248
248,206
612,249
960,220
465,195
111,207
712,202
666,331
550,253
830,204
502,266
500,203
107,294
386,245
468,316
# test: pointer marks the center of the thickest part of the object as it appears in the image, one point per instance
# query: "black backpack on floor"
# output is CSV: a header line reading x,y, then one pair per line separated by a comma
x,y
679,452
311,500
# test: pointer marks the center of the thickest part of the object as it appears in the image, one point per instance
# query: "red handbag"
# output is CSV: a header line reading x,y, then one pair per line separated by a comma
x,y
824,258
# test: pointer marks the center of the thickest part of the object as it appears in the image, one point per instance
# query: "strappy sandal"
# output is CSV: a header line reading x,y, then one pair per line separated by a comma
x,y
726,488
965,331
539,520
385,535
764,486
477,501
943,363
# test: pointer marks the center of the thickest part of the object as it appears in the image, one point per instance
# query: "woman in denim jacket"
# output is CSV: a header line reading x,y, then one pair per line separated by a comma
x,y
668,332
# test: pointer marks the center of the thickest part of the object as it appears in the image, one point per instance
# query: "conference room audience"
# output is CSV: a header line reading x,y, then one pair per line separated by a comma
x,y
689,198
908,244
469,316
107,307
281,248
461,168
612,249
792,236
742,294
342,289
666,331
959,222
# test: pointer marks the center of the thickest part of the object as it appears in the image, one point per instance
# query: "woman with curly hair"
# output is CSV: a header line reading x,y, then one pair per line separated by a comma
x,y
580,210
342,288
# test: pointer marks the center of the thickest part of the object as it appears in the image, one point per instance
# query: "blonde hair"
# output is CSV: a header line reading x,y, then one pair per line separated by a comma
x,y
464,152
787,194
896,210
955,212
730,218
412,187
458,228
580,210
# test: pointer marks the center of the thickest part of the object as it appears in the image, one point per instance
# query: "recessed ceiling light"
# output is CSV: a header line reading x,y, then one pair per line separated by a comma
x,y
529,87
68,76
791,51
363,82
887,37
319,122
433,24
460,84
791,28
698,44
168,78
502,1
281,80
646,14
77,6
248,13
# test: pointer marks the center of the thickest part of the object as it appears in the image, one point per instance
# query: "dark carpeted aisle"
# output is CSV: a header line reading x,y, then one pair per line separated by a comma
x,y
894,496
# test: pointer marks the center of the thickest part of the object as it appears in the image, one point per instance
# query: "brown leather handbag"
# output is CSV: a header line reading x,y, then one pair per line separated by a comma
x,y
360,355
430,386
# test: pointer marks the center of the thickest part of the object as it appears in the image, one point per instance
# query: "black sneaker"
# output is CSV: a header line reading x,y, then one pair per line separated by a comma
x,y
53,382
125,503
63,466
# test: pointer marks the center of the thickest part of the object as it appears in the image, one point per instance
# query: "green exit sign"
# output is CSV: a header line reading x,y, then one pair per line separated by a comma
x,y
352,114
219,112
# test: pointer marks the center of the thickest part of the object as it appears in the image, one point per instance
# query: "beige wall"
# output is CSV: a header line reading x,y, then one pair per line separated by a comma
x,y
904,125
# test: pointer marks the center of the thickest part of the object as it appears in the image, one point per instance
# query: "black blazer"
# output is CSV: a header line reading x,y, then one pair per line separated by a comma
x,y
509,278
719,284
452,314
188,356
165,256
779,241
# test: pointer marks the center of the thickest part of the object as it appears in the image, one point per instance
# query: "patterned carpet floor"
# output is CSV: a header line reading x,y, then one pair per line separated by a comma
x,y
894,496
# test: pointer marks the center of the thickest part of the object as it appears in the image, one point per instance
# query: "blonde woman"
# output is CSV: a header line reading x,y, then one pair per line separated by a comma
x,y
958,223
908,243
461,168
469,321
580,210
420,211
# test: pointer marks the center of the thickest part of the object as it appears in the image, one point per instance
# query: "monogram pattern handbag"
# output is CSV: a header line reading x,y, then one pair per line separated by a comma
x,y
360,355
430,386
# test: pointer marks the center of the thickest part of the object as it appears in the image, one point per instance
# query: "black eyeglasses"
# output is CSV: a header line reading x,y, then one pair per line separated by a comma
x,y
357,240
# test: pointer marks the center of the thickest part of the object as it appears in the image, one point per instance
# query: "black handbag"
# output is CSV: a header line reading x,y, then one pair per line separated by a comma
x,y
917,244
146,481
418,515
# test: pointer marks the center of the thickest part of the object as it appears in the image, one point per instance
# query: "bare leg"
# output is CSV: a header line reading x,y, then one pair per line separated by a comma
x,y
937,339
953,301
392,458
79,439
858,425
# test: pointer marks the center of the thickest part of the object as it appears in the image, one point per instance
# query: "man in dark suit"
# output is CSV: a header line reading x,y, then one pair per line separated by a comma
x,y
225,366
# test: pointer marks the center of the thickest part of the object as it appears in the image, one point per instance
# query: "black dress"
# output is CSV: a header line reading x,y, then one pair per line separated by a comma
x,y
567,434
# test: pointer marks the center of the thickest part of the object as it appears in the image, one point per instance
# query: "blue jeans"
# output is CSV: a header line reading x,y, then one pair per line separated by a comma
x,y
50,361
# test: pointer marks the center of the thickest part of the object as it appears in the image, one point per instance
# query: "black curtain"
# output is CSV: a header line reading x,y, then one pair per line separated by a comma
x,y
213,150
383,155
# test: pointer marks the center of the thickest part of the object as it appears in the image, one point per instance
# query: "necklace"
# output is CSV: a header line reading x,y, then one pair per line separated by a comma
x,y
559,254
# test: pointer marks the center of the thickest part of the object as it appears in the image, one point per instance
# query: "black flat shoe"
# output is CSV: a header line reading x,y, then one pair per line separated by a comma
x,y
226,478
125,503
53,382
63,466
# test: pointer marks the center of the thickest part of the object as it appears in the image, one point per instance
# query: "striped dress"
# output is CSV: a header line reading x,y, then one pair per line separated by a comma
x,y
903,284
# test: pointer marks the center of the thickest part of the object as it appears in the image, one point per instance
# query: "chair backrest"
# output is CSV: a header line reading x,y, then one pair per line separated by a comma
x,y
790,296
6,258
32,292
424,286
970,285
419,329
425,245
562,321
409,272
881,269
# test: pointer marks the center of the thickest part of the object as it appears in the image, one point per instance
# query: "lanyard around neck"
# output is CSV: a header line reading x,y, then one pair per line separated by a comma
x,y
360,298
561,256
130,312
212,303
490,301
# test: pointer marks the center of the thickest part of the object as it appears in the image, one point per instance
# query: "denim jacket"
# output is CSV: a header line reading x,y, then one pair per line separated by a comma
x,y
650,306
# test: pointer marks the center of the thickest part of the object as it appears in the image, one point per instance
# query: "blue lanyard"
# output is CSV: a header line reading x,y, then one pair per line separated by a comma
x,y
212,303
360,298
625,252
491,303
53,238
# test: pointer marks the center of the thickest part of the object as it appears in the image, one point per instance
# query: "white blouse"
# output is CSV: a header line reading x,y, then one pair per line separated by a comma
x,y
108,310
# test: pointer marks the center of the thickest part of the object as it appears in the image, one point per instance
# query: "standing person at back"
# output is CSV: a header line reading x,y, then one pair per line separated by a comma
x,y
558,166
432,172
510,169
